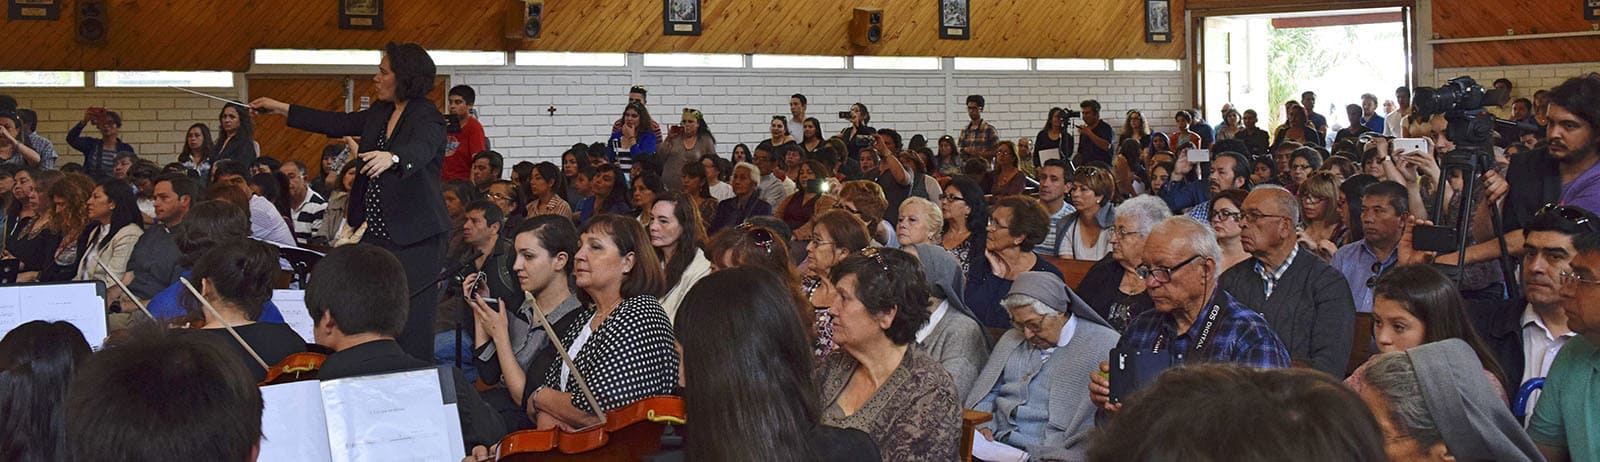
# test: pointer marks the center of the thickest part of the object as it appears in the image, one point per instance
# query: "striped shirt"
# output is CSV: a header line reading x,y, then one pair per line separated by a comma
x,y
308,217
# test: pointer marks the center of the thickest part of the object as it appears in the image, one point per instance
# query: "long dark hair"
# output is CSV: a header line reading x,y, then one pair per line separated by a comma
x,y
37,361
274,188
748,357
247,128
683,250
207,149
972,194
413,70
619,188
235,270
552,174
644,118
1432,298
124,208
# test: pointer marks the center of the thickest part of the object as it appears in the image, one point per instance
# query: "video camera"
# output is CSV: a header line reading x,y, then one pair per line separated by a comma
x,y
1067,115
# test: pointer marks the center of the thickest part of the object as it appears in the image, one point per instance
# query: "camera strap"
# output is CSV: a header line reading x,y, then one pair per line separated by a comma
x,y
1200,342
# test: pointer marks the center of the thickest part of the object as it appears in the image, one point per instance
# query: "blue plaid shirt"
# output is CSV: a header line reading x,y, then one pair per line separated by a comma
x,y
1269,279
1241,336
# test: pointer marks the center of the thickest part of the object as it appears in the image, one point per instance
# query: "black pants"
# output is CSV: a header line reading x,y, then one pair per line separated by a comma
x,y
422,261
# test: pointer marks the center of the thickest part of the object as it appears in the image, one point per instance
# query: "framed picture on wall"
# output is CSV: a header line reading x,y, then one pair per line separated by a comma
x,y
1591,9
1157,21
955,20
680,17
41,10
361,14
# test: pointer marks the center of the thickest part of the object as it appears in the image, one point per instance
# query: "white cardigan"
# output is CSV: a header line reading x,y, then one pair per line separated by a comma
x,y
698,268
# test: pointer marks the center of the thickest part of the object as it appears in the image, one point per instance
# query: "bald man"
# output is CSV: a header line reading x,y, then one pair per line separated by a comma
x,y
1307,301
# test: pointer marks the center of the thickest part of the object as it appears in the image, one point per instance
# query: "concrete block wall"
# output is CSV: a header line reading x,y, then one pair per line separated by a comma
x,y
1524,79
154,120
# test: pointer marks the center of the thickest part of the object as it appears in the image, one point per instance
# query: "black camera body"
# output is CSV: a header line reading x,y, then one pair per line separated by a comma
x,y
1068,114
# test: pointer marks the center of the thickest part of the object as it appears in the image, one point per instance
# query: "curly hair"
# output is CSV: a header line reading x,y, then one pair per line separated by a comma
x,y
889,282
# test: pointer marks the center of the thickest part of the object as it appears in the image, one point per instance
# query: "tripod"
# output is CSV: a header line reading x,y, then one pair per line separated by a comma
x,y
1470,131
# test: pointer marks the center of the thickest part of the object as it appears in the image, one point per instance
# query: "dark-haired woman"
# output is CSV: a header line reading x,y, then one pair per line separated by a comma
x,y
1414,305
37,361
878,382
572,162
835,234
741,337
608,194
198,151
115,226
229,276
859,118
396,196
634,143
624,345
1017,224
797,209
334,224
546,190
512,347
1052,136
676,233
646,188
236,135
965,213
696,187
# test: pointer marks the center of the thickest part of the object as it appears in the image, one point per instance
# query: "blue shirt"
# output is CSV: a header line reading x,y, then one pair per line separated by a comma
x,y
1375,123
984,290
1355,261
164,305
1241,336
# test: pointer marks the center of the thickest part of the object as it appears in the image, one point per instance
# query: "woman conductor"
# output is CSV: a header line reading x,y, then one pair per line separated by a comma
x,y
396,196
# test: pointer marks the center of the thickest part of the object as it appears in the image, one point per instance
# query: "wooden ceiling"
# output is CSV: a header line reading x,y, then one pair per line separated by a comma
x,y
1484,18
218,35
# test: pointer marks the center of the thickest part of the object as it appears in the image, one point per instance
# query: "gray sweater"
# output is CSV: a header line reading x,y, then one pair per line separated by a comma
x,y
1311,309
957,343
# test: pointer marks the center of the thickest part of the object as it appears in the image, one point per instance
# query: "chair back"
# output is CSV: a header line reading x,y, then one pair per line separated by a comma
x,y
301,261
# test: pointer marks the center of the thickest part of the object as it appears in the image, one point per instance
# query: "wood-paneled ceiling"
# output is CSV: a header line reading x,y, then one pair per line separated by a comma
x,y
218,35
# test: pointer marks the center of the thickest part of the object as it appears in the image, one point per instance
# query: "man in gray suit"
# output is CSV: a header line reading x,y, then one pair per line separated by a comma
x,y
1305,300
1034,381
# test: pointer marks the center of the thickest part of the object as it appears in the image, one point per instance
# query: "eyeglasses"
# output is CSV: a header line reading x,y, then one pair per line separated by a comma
x,y
1572,215
1162,275
760,236
949,198
1219,216
853,211
996,225
877,256
1120,232
497,196
1568,277
1256,215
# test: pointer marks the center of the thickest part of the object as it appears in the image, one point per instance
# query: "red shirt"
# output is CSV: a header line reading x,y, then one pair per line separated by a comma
x,y
459,149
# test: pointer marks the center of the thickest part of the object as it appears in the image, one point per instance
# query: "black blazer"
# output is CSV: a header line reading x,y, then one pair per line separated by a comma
x,y
410,188
480,425
239,149
1498,322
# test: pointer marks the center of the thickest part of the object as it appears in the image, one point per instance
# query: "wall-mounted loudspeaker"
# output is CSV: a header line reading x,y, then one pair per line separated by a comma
x,y
524,19
866,26
91,24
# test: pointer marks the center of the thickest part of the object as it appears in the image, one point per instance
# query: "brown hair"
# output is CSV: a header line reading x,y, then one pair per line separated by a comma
x,y
74,189
741,245
1028,219
867,198
1096,179
847,231
646,277
1325,185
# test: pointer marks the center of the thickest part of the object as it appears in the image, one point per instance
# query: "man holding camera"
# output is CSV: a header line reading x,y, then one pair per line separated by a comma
x,y
99,154
465,138
1194,318
1094,135
11,134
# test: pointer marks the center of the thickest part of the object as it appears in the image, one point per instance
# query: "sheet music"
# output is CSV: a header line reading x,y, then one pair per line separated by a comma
x,y
1047,154
995,451
293,425
78,303
392,417
292,305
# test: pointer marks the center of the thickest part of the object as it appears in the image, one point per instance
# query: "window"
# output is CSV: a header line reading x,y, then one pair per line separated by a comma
x,y
553,58
319,57
1054,64
467,58
991,64
796,62
897,62
692,60
213,79
41,79
1144,64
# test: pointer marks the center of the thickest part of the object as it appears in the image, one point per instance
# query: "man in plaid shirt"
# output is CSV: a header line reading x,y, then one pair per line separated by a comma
x,y
978,138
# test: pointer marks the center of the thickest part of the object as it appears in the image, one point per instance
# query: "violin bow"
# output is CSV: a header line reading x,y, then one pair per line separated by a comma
x,y
561,351
234,333
125,290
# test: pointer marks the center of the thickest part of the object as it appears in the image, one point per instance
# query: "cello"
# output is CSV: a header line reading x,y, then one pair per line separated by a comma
x,y
627,433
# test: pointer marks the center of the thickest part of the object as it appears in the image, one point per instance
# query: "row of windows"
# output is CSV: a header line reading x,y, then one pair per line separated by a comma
x,y
222,79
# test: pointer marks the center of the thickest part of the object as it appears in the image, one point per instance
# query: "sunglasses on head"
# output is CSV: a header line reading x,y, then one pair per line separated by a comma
x,y
1572,215
758,235
876,255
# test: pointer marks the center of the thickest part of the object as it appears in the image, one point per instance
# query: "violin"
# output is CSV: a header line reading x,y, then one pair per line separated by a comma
x,y
629,433
294,368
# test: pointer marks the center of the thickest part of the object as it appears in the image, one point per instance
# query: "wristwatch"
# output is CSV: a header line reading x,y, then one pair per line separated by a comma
x,y
394,159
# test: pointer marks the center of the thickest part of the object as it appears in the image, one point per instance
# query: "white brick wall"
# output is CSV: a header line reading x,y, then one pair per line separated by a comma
x,y
154,120
1524,79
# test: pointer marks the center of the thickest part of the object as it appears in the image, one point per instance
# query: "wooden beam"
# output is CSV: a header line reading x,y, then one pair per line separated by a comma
x,y
1337,20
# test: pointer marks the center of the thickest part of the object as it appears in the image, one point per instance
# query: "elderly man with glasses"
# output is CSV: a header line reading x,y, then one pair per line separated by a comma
x,y
1194,320
1307,302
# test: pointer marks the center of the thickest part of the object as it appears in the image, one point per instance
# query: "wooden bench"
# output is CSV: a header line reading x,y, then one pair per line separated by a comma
x,y
1072,271
1361,346
970,420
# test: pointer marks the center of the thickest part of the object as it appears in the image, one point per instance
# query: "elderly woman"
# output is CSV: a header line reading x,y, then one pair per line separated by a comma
x,y
836,234
1324,227
1017,224
878,382
676,234
1087,239
1113,286
965,213
623,345
865,200
745,203
952,335
1431,408
920,220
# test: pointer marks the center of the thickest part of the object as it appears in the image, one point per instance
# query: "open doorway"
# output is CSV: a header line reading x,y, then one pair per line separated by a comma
x,y
1260,61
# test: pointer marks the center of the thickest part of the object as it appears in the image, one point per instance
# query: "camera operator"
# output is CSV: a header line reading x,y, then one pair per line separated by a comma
x,y
1564,172
1095,135
853,135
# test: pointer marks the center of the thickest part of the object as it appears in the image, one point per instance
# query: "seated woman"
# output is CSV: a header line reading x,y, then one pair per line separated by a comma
x,y
1431,408
512,345
31,231
676,234
1224,216
1113,287
1324,227
1416,304
623,344
741,337
1016,225
609,194
952,335
865,200
207,225
229,276
836,234
1007,177
965,212
37,361
115,228
797,209
920,220
697,187
746,201
1085,233
66,198
646,188
878,382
